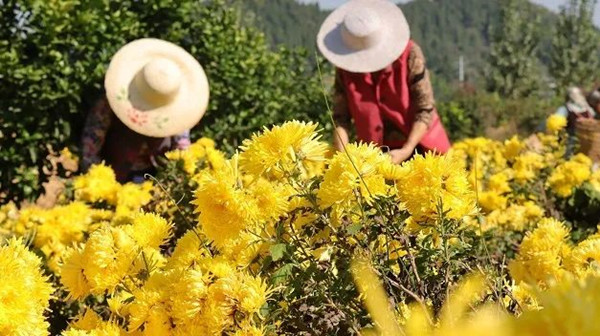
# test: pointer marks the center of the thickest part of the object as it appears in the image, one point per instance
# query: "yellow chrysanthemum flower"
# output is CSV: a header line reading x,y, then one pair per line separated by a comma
x,y
101,265
188,294
541,254
119,303
595,180
149,230
515,217
570,175
64,224
500,182
225,209
526,296
24,291
491,201
513,147
188,250
131,197
99,184
527,166
282,150
243,250
252,293
433,179
584,259
456,318
201,153
355,171
151,303
270,197
570,309
555,123
72,276
249,330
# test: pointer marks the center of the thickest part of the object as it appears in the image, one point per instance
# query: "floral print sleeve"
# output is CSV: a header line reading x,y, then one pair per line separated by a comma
x,y
421,90
94,133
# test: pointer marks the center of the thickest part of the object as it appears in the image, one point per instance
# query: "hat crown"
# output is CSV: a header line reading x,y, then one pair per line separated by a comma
x,y
163,76
361,29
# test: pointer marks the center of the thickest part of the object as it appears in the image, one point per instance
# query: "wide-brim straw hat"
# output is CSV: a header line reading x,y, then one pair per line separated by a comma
x,y
156,88
364,36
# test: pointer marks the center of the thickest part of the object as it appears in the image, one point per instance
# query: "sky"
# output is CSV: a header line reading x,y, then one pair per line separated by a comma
x,y
552,4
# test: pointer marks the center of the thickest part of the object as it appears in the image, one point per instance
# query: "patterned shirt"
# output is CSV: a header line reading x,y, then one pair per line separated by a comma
x,y
99,124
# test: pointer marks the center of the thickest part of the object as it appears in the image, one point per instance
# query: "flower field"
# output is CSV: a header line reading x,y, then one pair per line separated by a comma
x,y
287,237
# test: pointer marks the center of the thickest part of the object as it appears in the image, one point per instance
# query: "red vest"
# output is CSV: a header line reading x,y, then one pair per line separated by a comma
x,y
124,148
383,98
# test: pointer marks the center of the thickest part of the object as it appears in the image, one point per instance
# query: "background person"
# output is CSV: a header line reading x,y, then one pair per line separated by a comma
x,y
593,100
382,83
155,93
576,107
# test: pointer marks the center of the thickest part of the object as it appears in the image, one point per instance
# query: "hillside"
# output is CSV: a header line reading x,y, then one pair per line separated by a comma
x,y
446,29
286,21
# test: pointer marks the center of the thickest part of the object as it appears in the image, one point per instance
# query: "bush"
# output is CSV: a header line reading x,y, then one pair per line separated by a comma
x,y
470,114
53,56
285,239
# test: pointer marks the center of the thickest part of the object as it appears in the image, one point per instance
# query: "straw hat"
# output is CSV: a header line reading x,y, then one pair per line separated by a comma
x,y
364,35
156,88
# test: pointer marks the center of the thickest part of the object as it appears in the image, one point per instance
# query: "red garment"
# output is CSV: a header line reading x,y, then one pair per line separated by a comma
x,y
123,147
375,99
106,138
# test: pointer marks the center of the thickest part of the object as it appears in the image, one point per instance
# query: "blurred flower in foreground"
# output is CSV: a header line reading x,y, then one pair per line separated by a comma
x,y
457,316
555,123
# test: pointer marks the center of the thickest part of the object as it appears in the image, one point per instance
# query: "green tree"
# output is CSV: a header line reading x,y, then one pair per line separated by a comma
x,y
53,55
575,52
513,65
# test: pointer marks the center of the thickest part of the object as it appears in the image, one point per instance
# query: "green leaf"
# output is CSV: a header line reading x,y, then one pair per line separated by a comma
x,y
354,228
281,275
277,251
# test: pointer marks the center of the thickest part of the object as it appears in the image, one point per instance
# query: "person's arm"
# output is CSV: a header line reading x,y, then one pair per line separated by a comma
x,y
421,95
94,133
341,115
182,141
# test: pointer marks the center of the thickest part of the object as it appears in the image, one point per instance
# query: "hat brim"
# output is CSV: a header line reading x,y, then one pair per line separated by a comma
x,y
394,39
183,111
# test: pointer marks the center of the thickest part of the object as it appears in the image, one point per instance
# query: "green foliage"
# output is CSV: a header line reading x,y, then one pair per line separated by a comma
x,y
513,64
582,209
318,282
575,52
53,55
444,29
251,86
456,118
472,114
286,22
448,29
49,61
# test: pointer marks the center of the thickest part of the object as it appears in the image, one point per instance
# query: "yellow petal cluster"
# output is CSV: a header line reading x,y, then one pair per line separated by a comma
x,y
432,181
197,155
283,150
570,175
24,291
555,123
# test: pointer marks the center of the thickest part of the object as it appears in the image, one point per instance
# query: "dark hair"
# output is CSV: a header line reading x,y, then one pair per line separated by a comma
x,y
594,98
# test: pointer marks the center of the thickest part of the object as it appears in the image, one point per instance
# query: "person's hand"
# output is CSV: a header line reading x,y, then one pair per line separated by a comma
x,y
401,155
